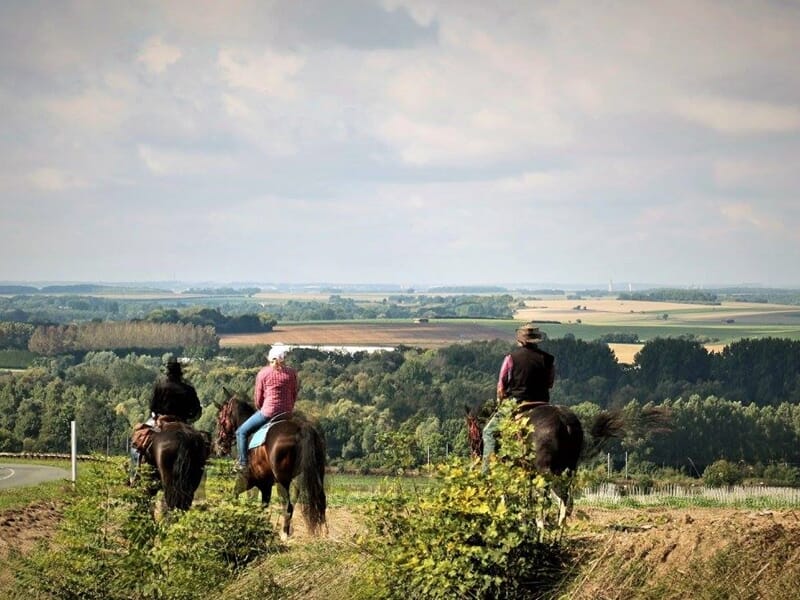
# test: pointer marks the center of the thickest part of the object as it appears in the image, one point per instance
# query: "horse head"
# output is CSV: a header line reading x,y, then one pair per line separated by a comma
x,y
227,422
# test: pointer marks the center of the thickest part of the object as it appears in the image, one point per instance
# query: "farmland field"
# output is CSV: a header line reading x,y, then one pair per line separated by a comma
x,y
378,333
716,326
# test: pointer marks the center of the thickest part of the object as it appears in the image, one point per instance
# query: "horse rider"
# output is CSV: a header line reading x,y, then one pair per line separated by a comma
x,y
275,393
526,376
173,400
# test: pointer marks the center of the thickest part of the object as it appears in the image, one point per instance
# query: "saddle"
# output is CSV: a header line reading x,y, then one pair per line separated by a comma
x,y
142,436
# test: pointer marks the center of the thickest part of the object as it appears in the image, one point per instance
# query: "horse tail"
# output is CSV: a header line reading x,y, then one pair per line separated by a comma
x,y
605,426
193,448
312,477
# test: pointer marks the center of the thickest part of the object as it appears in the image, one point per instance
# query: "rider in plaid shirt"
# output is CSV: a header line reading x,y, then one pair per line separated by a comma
x,y
275,393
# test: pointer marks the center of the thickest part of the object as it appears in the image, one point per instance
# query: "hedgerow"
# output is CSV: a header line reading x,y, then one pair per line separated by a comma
x,y
110,547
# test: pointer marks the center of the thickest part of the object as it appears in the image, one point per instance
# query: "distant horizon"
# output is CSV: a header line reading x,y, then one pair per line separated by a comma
x,y
392,286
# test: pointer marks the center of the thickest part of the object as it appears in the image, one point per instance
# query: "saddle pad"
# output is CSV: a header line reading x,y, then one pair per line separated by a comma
x,y
260,436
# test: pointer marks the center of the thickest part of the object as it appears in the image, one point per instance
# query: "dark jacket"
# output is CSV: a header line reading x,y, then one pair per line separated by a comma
x,y
532,374
177,398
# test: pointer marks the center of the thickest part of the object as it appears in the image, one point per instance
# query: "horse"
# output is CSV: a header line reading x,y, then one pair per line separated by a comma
x,y
557,436
293,448
178,452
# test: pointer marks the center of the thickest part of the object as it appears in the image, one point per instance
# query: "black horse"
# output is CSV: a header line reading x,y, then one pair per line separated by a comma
x,y
293,449
178,452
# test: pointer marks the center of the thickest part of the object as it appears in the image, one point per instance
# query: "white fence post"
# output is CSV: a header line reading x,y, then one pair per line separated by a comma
x,y
74,451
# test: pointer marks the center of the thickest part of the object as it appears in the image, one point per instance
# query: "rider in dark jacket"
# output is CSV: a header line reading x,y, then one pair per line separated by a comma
x,y
173,400
174,397
526,375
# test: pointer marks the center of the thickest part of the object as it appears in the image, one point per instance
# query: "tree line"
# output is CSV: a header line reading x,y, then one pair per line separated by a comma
x,y
403,407
52,309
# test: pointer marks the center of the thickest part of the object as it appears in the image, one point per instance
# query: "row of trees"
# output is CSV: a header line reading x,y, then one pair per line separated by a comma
x,y
213,317
70,308
672,295
404,407
52,340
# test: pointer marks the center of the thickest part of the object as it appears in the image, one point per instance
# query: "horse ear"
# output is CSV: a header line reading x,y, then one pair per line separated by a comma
x,y
217,404
228,393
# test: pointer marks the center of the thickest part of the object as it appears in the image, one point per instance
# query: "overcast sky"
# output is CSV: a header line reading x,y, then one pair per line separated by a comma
x,y
412,142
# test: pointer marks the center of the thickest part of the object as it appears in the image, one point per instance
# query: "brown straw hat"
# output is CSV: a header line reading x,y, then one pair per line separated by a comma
x,y
529,334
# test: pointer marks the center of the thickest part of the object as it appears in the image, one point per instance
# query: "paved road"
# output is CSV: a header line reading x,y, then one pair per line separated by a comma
x,y
16,475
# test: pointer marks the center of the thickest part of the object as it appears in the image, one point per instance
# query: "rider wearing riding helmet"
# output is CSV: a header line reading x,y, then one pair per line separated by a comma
x,y
275,393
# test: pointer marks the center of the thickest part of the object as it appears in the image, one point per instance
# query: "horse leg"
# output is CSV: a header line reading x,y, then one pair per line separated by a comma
x,y
266,493
288,510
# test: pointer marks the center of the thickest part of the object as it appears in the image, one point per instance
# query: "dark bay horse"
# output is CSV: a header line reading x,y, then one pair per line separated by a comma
x,y
179,453
558,439
293,448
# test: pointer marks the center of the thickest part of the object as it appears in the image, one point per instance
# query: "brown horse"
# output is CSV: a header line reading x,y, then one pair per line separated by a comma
x,y
179,453
293,448
557,437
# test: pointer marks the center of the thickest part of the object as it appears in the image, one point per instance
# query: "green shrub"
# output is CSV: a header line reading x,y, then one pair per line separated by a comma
x,y
722,473
109,546
781,474
476,535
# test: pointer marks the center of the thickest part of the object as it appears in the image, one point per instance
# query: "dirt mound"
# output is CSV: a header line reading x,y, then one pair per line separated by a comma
x,y
20,530
681,553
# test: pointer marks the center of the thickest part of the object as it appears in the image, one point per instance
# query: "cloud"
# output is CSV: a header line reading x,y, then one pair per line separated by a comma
x,y
749,215
269,73
172,162
55,180
93,110
157,56
739,117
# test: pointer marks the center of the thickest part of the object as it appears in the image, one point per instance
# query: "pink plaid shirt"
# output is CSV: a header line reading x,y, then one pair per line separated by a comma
x,y
276,390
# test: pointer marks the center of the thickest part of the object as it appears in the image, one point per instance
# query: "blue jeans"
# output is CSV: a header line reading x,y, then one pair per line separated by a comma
x,y
252,424
489,443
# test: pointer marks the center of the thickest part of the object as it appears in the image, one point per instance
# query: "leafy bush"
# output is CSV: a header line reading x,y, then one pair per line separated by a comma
x,y
781,474
476,535
722,473
109,546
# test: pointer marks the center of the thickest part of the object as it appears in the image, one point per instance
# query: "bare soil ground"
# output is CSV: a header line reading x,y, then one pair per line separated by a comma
x,y
426,335
21,530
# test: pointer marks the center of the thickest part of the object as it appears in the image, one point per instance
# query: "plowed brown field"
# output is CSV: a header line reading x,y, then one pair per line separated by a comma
x,y
425,335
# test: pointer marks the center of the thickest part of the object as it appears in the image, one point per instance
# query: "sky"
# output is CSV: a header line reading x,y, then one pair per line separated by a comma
x,y
413,142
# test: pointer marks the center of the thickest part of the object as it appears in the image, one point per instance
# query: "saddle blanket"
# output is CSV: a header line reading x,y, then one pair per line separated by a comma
x,y
260,436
